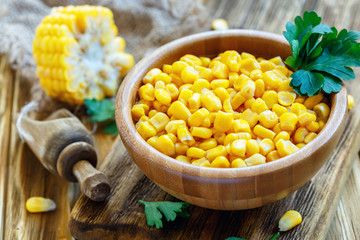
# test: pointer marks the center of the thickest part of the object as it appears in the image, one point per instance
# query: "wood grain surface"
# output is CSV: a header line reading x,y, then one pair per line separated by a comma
x,y
22,176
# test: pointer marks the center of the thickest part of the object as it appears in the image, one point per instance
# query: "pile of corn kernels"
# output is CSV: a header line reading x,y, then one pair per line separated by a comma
x,y
231,111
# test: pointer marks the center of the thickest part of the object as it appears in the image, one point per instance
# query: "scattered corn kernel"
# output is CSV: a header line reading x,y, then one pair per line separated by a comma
x,y
289,220
40,204
219,24
350,101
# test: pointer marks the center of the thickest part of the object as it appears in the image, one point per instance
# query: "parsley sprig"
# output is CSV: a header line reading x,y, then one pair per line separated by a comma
x,y
102,111
155,210
322,56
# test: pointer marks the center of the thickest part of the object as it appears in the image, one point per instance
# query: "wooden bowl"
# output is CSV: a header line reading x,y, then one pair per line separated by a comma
x,y
215,188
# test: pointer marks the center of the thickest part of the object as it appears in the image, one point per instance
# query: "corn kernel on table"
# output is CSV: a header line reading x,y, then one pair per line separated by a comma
x,y
328,212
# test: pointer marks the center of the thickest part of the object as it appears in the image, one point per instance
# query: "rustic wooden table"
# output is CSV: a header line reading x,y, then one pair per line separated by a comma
x,y
22,176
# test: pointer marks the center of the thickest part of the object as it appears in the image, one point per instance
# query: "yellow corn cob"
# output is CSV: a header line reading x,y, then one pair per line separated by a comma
x,y
78,54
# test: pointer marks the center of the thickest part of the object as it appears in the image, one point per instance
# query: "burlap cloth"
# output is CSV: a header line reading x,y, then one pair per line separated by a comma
x,y
145,25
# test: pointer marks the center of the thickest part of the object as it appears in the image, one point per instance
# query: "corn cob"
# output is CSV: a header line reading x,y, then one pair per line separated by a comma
x,y
79,55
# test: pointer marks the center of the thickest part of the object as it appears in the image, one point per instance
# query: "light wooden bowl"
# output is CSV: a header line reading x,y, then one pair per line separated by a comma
x,y
214,188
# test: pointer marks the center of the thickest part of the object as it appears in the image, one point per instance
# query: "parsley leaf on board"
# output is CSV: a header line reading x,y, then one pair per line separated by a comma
x,y
234,238
155,210
102,111
322,56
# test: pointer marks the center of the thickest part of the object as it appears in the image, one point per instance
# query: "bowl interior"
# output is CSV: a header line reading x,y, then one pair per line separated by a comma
x,y
260,44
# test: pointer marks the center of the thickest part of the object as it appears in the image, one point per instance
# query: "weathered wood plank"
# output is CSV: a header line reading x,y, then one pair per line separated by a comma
x,y
6,96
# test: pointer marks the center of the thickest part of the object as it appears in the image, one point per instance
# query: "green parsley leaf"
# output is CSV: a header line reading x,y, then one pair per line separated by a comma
x,y
102,111
323,55
275,236
155,210
111,128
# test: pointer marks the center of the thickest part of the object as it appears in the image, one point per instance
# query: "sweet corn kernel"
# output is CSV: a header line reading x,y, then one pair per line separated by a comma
x,y
248,65
310,137
297,108
300,135
247,89
219,24
248,103
174,125
305,118
277,129
259,106
313,126
150,76
240,125
239,81
217,83
263,132
202,162
201,132
198,117
286,98
223,121
255,159
238,147
271,79
268,119
288,121
199,85
252,147
290,219
285,147
137,112
167,68
259,88
181,148
221,93
205,61
189,74
230,138
192,60
179,110
270,98
172,90
250,116
279,110
237,100
194,102
220,162
310,102
171,136
162,77
159,121
185,136
165,145
185,94
211,102
266,146
40,204
152,141
146,130
159,85
322,110
179,66
208,144
321,125
351,101
220,70
206,123
282,135
147,92
194,152
266,66
272,156
245,55
238,163
256,74
212,153
176,79
300,145
183,159
219,137
227,106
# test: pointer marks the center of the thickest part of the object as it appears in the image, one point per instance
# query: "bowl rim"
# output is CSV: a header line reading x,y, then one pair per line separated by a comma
x,y
125,123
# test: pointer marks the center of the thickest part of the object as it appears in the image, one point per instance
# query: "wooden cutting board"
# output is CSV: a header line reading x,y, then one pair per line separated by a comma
x,y
122,217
